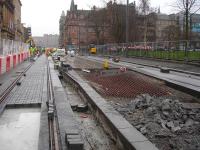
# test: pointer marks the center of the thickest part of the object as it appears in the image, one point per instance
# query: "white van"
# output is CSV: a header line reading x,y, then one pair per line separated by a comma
x,y
72,53
59,53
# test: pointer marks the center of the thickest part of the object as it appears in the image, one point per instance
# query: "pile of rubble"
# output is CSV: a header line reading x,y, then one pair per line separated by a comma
x,y
168,123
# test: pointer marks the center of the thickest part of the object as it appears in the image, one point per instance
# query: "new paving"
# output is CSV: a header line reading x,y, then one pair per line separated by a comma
x,y
30,90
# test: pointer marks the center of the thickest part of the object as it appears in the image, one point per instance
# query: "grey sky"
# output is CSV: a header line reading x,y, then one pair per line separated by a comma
x,y
43,15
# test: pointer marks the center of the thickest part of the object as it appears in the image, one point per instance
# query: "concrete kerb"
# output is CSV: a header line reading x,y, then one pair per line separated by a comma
x,y
171,69
66,120
122,132
167,60
44,130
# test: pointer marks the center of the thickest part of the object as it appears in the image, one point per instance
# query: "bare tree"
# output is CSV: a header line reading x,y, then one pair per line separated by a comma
x,y
97,22
170,33
144,8
188,7
116,19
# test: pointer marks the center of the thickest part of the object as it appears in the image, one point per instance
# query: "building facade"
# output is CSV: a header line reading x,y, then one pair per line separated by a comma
x,y
145,28
1,17
17,21
164,24
80,30
47,40
7,16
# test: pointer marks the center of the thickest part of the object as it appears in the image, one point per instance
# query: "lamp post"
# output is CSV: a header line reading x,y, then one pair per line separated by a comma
x,y
127,21
127,27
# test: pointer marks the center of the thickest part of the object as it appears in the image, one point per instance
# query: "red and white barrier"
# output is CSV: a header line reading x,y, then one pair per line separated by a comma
x,y
3,65
11,61
22,56
19,58
14,60
8,63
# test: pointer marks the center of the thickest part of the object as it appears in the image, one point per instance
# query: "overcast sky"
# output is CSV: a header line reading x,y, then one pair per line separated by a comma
x,y
43,15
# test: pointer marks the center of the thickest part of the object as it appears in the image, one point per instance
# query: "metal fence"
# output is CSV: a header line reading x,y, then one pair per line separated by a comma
x,y
171,50
10,47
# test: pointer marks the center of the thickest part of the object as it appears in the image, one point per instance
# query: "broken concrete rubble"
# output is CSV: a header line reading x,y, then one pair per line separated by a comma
x,y
164,120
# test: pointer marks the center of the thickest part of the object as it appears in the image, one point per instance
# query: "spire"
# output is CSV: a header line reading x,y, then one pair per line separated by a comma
x,y
72,6
159,10
63,13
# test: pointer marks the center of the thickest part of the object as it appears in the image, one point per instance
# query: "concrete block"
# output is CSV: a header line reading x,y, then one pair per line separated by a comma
x,y
72,137
144,145
50,114
74,106
75,144
82,108
71,132
164,70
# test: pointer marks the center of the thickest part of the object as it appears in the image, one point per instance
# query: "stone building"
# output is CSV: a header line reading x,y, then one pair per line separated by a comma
x,y
47,40
17,20
1,18
163,24
80,31
146,30
7,16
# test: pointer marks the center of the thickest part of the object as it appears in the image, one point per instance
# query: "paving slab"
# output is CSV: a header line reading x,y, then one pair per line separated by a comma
x,y
31,88
7,78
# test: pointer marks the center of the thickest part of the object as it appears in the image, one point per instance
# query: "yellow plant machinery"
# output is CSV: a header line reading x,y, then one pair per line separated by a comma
x,y
92,49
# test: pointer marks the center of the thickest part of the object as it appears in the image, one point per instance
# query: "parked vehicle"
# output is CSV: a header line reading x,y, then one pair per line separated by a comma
x,y
59,53
72,53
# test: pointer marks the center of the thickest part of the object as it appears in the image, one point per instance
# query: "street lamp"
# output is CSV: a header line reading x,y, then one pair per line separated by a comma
x,y
127,21
127,27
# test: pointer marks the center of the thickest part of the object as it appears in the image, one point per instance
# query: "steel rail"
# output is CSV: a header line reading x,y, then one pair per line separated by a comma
x,y
53,127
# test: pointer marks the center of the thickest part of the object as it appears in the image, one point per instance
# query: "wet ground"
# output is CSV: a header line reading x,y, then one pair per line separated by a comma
x,y
19,129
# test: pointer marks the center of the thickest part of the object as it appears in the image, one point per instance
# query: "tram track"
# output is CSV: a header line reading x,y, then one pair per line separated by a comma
x,y
54,139
6,92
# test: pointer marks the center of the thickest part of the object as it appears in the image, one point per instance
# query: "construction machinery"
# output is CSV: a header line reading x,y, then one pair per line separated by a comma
x,y
92,49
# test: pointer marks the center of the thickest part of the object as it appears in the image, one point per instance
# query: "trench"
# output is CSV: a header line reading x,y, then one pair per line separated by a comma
x,y
92,132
